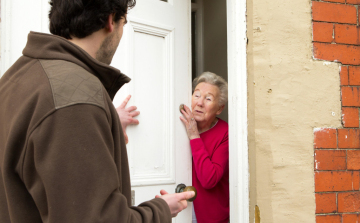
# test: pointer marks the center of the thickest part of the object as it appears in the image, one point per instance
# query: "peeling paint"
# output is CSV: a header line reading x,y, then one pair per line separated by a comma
x,y
318,129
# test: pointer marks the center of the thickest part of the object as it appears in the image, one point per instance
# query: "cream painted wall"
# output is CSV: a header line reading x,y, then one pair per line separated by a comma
x,y
215,41
290,94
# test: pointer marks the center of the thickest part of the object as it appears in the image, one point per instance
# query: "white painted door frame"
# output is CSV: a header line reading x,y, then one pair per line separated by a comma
x,y
237,78
238,127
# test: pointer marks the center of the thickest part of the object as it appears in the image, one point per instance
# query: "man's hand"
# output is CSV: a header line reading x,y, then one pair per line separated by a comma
x,y
177,202
127,115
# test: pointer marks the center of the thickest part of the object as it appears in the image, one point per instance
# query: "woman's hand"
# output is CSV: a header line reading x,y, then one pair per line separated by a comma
x,y
127,115
190,123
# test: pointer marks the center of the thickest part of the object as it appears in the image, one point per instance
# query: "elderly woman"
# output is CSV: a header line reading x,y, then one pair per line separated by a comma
x,y
210,148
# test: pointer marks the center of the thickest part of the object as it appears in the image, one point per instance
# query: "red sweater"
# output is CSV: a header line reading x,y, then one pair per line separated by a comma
x,y
210,174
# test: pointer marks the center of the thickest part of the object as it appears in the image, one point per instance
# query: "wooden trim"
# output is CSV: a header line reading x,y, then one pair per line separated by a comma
x,y
238,126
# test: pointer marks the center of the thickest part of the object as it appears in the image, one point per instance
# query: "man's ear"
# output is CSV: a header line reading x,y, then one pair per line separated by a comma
x,y
110,24
220,110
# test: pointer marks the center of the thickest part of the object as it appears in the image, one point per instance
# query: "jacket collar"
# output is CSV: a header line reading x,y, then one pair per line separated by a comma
x,y
52,47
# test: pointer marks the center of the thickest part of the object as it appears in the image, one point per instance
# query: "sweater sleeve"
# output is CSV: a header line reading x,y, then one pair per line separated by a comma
x,y
70,171
210,168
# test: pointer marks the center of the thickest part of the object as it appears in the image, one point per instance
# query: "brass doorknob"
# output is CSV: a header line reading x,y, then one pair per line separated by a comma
x,y
181,107
182,188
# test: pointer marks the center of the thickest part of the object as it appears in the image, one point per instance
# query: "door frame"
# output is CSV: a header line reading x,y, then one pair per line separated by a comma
x,y
238,121
237,79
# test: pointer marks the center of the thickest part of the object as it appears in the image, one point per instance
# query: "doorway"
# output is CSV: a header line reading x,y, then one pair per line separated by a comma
x,y
230,27
209,40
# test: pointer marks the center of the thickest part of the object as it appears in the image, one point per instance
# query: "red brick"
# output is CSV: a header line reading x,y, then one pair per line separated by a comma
x,y
350,96
344,75
349,202
350,218
325,138
355,2
339,1
329,181
330,160
353,159
323,32
348,138
348,34
354,75
330,12
350,117
325,203
346,54
328,219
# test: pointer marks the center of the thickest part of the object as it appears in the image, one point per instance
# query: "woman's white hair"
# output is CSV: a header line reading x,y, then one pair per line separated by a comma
x,y
216,80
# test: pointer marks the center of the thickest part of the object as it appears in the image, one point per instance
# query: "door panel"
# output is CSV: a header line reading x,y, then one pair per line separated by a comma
x,y
155,53
19,17
151,66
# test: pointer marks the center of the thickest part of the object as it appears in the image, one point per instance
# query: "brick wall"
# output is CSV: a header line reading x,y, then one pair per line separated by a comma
x,y
336,37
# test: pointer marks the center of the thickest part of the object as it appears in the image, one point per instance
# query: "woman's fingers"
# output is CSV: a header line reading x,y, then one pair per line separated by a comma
x,y
184,120
188,115
185,114
187,109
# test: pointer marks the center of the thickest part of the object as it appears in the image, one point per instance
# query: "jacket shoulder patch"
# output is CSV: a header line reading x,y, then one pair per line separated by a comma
x,y
72,84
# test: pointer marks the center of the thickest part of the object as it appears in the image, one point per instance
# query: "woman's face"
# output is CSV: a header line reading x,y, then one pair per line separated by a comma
x,y
205,103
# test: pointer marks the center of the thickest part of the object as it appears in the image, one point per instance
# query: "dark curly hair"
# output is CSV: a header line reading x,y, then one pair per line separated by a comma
x,y
81,18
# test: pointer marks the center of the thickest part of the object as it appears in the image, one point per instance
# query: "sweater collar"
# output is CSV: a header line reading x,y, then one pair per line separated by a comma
x,y
52,47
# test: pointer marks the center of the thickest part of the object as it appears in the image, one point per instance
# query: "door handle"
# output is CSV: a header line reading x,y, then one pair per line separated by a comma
x,y
182,188
181,107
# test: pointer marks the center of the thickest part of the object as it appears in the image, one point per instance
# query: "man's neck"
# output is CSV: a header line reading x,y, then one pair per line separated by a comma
x,y
91,44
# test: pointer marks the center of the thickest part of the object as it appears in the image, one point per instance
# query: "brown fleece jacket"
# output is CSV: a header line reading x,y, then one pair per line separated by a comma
x,y
62,150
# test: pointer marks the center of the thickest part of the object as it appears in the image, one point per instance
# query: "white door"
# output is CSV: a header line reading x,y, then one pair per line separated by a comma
x,y
155,54
18,18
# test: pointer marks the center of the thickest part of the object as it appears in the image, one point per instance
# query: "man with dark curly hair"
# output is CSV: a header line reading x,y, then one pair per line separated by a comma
x,y
62,149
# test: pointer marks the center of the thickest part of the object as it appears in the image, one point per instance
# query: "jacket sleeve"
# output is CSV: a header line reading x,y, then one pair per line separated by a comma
x,y
70,171
210,168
